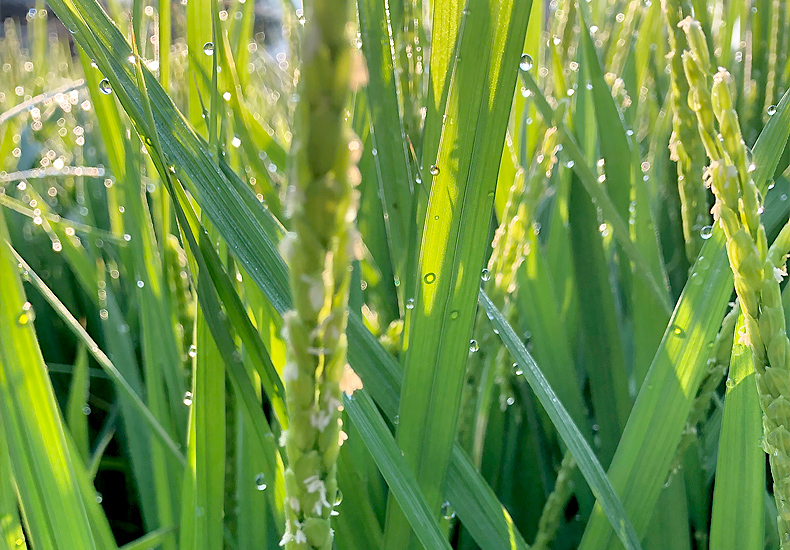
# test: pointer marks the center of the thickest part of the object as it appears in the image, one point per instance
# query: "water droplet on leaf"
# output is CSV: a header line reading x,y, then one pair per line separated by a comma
x,y
27,315
104,86
525,64
260,482
447,510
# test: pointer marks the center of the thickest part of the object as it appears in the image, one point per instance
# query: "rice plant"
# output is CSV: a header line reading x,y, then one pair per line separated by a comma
x,y
403,275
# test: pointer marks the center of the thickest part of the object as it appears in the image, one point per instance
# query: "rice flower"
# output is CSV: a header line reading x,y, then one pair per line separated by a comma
x,y
737,210
685,147
322,204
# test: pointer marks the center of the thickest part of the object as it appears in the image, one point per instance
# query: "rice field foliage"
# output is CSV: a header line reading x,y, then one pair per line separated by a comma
x,y
476,274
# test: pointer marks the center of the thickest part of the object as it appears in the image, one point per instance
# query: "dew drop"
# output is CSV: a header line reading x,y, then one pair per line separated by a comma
x,y
27,315
771,110
473,346
140,284
192,350
677,331
410,303
339,498
517,370
485,275
510,401
526,62
706,232
86,409
396,420
104,86
188,398
447,510
260,482
434,170
454,314
208,48
99,498
429,278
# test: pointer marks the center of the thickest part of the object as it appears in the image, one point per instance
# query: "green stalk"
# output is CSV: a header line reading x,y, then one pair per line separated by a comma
x,y
554,508
322,206
685,148
737,209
